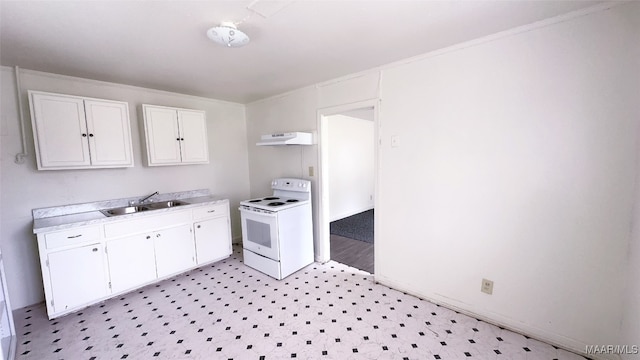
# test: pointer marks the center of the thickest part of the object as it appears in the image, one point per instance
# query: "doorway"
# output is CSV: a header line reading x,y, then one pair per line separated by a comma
x,y
348,158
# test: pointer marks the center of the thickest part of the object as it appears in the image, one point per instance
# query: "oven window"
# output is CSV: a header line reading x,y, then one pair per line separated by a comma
x,y
259,233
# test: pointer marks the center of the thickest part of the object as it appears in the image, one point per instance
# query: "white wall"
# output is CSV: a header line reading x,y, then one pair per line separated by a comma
x,y
351,165
516,162
294,111
297,111
631,310
519,158
24,188
286,113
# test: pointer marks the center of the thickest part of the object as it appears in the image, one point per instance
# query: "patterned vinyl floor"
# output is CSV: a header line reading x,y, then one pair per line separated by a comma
x,y
229,311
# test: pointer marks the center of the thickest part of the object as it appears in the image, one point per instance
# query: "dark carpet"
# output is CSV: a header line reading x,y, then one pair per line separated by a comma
x,y
358,227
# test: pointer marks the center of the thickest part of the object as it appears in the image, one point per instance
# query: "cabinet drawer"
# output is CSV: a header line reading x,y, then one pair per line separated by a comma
x,y
72,236
210,211
147,223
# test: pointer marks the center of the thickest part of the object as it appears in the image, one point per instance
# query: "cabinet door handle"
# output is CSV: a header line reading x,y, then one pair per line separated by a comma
x,y
74,236
95,249
157,235
84,135
198,226
90,135
178,139
181,139
148,236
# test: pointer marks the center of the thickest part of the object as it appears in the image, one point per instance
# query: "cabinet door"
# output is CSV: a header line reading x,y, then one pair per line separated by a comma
x,y
131,261
60,130
213,239
109,133
174,250
78,276
193,135
163,137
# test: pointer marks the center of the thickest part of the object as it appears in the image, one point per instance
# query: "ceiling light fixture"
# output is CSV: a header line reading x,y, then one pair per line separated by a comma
x,y
227,34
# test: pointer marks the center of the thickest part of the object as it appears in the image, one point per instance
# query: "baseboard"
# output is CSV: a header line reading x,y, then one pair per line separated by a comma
x,y
553,339
350,213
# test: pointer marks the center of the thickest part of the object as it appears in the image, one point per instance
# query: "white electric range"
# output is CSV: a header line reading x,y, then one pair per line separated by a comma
x,y
277,230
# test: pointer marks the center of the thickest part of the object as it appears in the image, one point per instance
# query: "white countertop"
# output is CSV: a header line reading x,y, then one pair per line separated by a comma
x,y
64,217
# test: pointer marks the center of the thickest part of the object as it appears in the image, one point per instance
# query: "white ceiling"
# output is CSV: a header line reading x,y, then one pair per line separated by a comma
x,y
163,44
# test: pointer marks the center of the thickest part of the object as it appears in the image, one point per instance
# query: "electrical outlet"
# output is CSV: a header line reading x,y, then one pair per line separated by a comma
x,y
311,172
487,286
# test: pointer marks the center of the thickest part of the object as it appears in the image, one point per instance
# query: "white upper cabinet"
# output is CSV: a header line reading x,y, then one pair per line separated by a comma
x,y
60,131
175,136
109,133
72,132
163,136
193,136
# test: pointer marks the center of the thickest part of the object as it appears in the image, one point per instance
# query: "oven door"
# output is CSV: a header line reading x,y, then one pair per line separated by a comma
x,y
260,233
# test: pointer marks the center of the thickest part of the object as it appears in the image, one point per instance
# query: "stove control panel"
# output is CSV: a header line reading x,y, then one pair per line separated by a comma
x,y
291,184
255,209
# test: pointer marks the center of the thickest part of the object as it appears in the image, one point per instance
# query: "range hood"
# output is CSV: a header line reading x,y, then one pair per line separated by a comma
x,y
289,138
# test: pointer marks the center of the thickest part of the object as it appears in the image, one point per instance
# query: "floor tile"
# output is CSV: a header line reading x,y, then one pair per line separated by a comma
x,y
229,311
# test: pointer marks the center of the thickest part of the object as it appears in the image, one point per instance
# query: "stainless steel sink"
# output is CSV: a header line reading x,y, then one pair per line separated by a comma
x,y
137,208
166,204
124,210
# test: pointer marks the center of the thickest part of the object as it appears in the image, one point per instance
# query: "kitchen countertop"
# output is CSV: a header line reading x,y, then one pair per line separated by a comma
x,y
69,216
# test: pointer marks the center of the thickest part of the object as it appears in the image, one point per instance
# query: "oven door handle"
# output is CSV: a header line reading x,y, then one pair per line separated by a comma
x,y
257,213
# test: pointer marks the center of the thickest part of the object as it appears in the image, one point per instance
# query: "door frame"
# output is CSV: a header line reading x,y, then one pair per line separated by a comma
x,y
324,248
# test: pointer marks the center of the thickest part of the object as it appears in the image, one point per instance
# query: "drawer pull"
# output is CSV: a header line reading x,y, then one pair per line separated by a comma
x,y
211,211
148,237
95,249
74,236
198,226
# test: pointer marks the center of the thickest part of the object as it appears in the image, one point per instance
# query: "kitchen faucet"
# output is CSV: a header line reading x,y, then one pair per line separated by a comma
x,y
141,201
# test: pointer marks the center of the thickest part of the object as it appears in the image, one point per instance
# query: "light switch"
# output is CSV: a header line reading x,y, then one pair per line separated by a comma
x,y
395,141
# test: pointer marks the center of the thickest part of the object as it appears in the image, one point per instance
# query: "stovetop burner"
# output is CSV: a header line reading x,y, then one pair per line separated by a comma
x,y
275,202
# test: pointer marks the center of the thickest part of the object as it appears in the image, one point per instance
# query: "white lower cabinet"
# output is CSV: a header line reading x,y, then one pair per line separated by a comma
x,y
142,258
131,262
86,264
212,239
77,276
174,250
